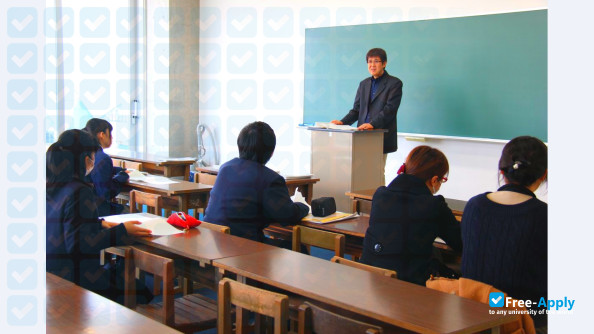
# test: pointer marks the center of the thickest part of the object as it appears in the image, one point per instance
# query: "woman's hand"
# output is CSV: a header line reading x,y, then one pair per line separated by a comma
x,y
106,224
132,229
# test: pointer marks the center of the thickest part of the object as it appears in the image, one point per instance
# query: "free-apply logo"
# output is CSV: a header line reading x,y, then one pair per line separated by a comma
x,y
496,299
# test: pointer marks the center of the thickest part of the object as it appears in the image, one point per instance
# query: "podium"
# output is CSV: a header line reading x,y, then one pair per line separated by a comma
x,y
345,161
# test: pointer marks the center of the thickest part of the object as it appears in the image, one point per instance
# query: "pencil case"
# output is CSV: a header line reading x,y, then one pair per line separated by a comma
x,y
181,219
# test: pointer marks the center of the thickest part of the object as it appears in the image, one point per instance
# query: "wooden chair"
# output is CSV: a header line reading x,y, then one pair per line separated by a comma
x,y
314,319
203,178
154,202
216,227
183,266
132,165
187,314
154,205
381,271
247,298
361,206
318,238
117,162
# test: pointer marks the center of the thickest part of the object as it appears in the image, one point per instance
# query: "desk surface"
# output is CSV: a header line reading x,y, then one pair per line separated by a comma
x,y
150,158
172,189
203,245
72,309
367,194
382,298
214,170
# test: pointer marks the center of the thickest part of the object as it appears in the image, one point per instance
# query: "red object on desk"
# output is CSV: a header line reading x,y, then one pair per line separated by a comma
x,y
181,219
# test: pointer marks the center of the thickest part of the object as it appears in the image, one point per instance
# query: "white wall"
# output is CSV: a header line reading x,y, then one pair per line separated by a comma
x,y
251,68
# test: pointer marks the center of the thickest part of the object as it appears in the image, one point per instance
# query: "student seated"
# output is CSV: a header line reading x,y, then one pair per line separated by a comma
x,y
406,218
505,232
74,233
106,178
247,196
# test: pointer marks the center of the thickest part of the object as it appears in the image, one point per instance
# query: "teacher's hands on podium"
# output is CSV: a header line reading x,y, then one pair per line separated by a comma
x,y
336,122
365,126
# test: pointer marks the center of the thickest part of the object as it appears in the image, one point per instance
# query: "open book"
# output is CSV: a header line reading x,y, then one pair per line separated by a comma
x,y
328,125
335,217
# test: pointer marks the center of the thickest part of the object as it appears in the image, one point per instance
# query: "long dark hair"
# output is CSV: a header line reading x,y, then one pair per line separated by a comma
x,y
65,159
523,160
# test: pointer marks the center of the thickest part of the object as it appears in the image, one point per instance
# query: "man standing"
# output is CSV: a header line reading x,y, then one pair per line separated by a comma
x,y
106,178
377,101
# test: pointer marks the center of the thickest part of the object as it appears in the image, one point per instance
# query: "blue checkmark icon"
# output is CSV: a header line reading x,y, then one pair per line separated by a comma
x,y
496,299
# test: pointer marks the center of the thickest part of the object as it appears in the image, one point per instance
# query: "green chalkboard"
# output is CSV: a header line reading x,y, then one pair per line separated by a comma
x,y
478,77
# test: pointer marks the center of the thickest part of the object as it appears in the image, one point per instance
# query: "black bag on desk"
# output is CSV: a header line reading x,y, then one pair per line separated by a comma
x,y
323,206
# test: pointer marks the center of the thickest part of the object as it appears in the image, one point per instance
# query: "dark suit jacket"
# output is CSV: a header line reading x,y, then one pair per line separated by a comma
x,y
382,109
247,196
405,219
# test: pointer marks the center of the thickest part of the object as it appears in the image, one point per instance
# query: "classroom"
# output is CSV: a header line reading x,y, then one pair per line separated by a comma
x,y
179,80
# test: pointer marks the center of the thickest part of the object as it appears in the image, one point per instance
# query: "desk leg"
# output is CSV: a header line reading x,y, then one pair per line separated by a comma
x,y
183,203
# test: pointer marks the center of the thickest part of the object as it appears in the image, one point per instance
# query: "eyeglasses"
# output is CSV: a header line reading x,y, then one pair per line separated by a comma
x,y
374,62
444,179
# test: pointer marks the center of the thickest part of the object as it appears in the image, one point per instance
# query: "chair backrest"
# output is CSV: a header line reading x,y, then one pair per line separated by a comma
x,y
318,238
363,207
216,227
132,165
314,319
381,271
158,266
117,162
151,200
205,178
244,297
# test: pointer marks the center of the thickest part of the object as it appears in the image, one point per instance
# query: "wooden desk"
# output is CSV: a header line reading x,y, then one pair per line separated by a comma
x,y
155,164
354,230
304,185
361,202
201,247
183,194
384,299
72,309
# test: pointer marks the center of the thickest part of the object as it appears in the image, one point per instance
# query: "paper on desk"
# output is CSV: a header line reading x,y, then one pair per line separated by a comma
x,y
333,218
328,125
148,178
159,226
136,175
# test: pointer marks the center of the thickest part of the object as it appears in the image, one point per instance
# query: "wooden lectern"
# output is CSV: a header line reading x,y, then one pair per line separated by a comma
x,y
345,161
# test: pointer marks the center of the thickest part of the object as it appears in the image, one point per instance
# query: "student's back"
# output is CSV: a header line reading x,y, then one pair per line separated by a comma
x,y
247,196
505,232
406,218
506,246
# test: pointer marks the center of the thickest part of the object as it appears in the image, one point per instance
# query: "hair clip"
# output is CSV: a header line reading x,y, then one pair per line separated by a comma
x,y
402,169
516,165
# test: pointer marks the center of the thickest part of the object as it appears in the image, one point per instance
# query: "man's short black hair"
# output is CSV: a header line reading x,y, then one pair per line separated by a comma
x,y
377,52
97,125
256,142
